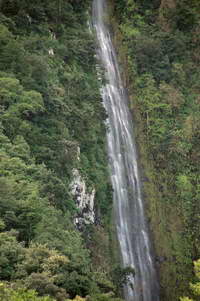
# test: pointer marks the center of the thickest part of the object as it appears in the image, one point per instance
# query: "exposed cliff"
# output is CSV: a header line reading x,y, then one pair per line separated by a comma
x,y
84,201
158,46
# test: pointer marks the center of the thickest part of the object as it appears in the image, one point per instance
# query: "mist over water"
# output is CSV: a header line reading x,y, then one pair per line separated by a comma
x,y
128,204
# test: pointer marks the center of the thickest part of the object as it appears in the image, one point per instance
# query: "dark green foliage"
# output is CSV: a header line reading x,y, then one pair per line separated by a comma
x,y
50,107
11,252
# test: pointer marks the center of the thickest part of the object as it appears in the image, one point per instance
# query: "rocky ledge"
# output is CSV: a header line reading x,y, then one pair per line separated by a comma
x,y
83,199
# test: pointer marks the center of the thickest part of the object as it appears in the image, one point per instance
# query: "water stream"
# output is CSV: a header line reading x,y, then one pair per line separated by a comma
x,y
129,209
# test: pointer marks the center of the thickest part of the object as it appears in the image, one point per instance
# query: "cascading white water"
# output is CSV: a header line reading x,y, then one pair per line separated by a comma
x,y
129,212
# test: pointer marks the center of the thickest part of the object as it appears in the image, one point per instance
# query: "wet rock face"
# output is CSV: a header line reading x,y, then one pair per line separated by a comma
x,y
83,199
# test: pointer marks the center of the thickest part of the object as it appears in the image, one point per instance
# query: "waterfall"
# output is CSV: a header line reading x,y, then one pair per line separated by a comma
x,y
128,204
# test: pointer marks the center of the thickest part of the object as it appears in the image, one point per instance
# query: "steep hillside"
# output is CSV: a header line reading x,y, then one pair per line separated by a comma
x,y
158,43
53,162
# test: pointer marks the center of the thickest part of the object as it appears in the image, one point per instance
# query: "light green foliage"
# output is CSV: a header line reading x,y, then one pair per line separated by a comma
x,y
103,297
195,287
44,270
197,268
9,294
10,91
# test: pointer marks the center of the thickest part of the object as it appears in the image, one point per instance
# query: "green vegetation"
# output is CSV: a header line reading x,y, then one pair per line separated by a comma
x,y
158,43
195,287
49,108
10,294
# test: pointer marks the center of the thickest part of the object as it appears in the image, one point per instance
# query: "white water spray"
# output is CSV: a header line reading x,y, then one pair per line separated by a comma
x,y
129,212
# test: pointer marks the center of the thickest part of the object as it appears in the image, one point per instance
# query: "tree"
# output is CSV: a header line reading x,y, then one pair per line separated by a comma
x,y
20,294
11,253
44,270
195,287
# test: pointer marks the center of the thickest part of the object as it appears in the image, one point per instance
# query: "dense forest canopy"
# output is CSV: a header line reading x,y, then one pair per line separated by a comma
x,y
50,108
